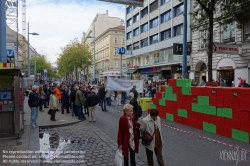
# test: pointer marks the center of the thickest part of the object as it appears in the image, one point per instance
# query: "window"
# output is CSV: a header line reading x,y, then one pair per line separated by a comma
x,y
123,40
136,17
164,1
144,27
129,9
247,29
203,39
129,35
124,62
144,12
144,42
228,33
154,22
154,39
129,22
136,46
166,16
136,31
115,51
116,63
178,10
116,40
178,30
154,6
129,47
166,34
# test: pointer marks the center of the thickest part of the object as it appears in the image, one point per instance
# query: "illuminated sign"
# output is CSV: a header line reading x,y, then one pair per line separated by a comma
x,y
126,2
151,69
226,67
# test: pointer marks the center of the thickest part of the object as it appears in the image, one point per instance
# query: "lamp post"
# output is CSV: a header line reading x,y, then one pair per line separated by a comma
x,y
35,66
34,33
94,53
3,55
184,46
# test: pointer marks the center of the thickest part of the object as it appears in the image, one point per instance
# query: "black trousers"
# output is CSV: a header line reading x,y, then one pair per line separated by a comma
x,y
132,158
53,115
65,105
41,104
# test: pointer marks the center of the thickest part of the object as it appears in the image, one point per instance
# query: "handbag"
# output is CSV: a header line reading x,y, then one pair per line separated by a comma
x,y
49,112
146,138
119,158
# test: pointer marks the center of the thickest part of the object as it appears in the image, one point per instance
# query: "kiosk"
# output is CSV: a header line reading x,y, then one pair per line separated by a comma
x,y
11,120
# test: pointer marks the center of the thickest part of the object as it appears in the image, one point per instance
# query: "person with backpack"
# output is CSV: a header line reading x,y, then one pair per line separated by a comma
x,y
137,110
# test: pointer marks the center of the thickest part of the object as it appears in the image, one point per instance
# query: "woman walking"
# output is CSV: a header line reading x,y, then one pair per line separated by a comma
x,y
128,139
53,105
42,97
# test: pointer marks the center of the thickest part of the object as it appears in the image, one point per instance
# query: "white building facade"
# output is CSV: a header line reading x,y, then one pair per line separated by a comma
x,y
150,33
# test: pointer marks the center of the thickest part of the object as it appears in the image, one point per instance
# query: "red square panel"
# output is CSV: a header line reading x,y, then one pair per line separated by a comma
x,y
192,115
177,90
172,82
169,103
199,124
197,91
178,119
224,131
158,95
245,104
162,88
231,123
245,126
231,103
187,106
210,91
218,120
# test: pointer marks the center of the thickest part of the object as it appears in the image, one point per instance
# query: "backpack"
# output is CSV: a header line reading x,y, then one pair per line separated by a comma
x,y
139,112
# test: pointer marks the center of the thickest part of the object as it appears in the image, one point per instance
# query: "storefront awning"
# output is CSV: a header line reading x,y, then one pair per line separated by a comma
x,y
131,71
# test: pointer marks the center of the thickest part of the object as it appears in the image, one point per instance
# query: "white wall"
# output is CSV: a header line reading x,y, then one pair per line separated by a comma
x,y
242,72
191,75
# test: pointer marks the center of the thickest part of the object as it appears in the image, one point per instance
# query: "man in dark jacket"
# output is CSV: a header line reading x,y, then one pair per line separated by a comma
x,y
65,99
34,103
92,101
103,97
72,100
135,92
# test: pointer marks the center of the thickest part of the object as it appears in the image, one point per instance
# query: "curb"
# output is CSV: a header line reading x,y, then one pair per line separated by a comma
x,y
59,125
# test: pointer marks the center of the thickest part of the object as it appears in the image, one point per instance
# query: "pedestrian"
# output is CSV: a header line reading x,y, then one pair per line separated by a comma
x,y
123,97
134,91
45,90
34,103
72,100
103,98
58,92
152,124
80,101
65,99
128,139
85,93
108,97
53,105
42,97
153,91
134,103
119,97
92,101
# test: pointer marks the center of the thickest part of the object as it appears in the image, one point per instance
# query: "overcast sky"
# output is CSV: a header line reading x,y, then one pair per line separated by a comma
x,y
59,21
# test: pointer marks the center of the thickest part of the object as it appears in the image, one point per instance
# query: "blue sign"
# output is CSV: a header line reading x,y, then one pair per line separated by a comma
x,y
121,50
10,53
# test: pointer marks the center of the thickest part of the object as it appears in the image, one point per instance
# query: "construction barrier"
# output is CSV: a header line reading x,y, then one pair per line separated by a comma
x,y
223,111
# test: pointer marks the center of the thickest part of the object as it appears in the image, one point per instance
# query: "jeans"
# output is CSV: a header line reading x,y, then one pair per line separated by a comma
x,y
34,115
103,103
74,110
79,112
108,99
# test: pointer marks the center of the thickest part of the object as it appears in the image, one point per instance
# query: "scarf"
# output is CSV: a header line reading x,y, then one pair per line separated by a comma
x,y
131,136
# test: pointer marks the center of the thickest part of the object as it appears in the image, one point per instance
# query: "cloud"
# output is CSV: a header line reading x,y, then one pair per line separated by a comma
x,y
59,21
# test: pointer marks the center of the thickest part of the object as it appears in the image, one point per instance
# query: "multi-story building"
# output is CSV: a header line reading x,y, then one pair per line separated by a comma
x,y
226,66
100,24
150,33
108,61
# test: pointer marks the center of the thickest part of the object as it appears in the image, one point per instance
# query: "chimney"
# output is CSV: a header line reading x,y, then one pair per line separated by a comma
x,y
107,12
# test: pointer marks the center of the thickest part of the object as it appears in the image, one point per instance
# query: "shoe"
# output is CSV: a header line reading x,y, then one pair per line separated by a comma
x,y
53,120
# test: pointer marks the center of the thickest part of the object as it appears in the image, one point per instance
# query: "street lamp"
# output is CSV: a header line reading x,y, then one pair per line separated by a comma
x,y
34,33
35,65
94,53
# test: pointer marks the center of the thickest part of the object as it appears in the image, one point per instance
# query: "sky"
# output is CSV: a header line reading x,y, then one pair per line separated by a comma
x,y
59,21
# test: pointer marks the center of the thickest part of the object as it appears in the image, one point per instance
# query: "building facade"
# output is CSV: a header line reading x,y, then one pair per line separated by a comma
x,y
108,61
226,66
151,32
100,24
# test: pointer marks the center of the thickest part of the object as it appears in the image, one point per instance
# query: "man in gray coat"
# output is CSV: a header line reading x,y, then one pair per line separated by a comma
x,y
152,124
79,102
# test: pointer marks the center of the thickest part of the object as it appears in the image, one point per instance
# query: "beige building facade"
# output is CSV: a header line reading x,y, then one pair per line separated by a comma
x,y
100,24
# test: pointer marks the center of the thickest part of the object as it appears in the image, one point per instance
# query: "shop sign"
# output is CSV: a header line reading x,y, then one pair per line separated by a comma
x,y
225,67
177,49
232,49
151,69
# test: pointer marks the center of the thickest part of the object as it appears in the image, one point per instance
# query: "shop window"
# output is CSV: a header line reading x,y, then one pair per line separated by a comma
x,y
203,39
154,6
178,30
247,29
144,12
228,33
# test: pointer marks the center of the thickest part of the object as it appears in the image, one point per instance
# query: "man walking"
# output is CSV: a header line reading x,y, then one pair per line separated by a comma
x,y
34,103
134,91
103,97
79,102
92,101
152,124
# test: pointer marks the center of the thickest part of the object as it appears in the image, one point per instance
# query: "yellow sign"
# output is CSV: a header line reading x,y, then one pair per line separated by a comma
x,y
7,66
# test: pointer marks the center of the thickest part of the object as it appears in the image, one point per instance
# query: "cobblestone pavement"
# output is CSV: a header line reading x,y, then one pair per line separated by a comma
x,y
98,148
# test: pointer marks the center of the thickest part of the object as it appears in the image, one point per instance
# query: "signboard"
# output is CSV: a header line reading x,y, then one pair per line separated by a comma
x,y
177,48
45,75
121,50
226,67
232,49
126,2
10,53
115,84
151,69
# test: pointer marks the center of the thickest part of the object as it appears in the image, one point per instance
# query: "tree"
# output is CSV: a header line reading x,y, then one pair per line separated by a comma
x,y
208,12
74,55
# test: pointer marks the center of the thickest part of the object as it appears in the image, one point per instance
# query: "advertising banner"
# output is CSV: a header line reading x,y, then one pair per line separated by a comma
x,y
232,49
126,2
116,84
